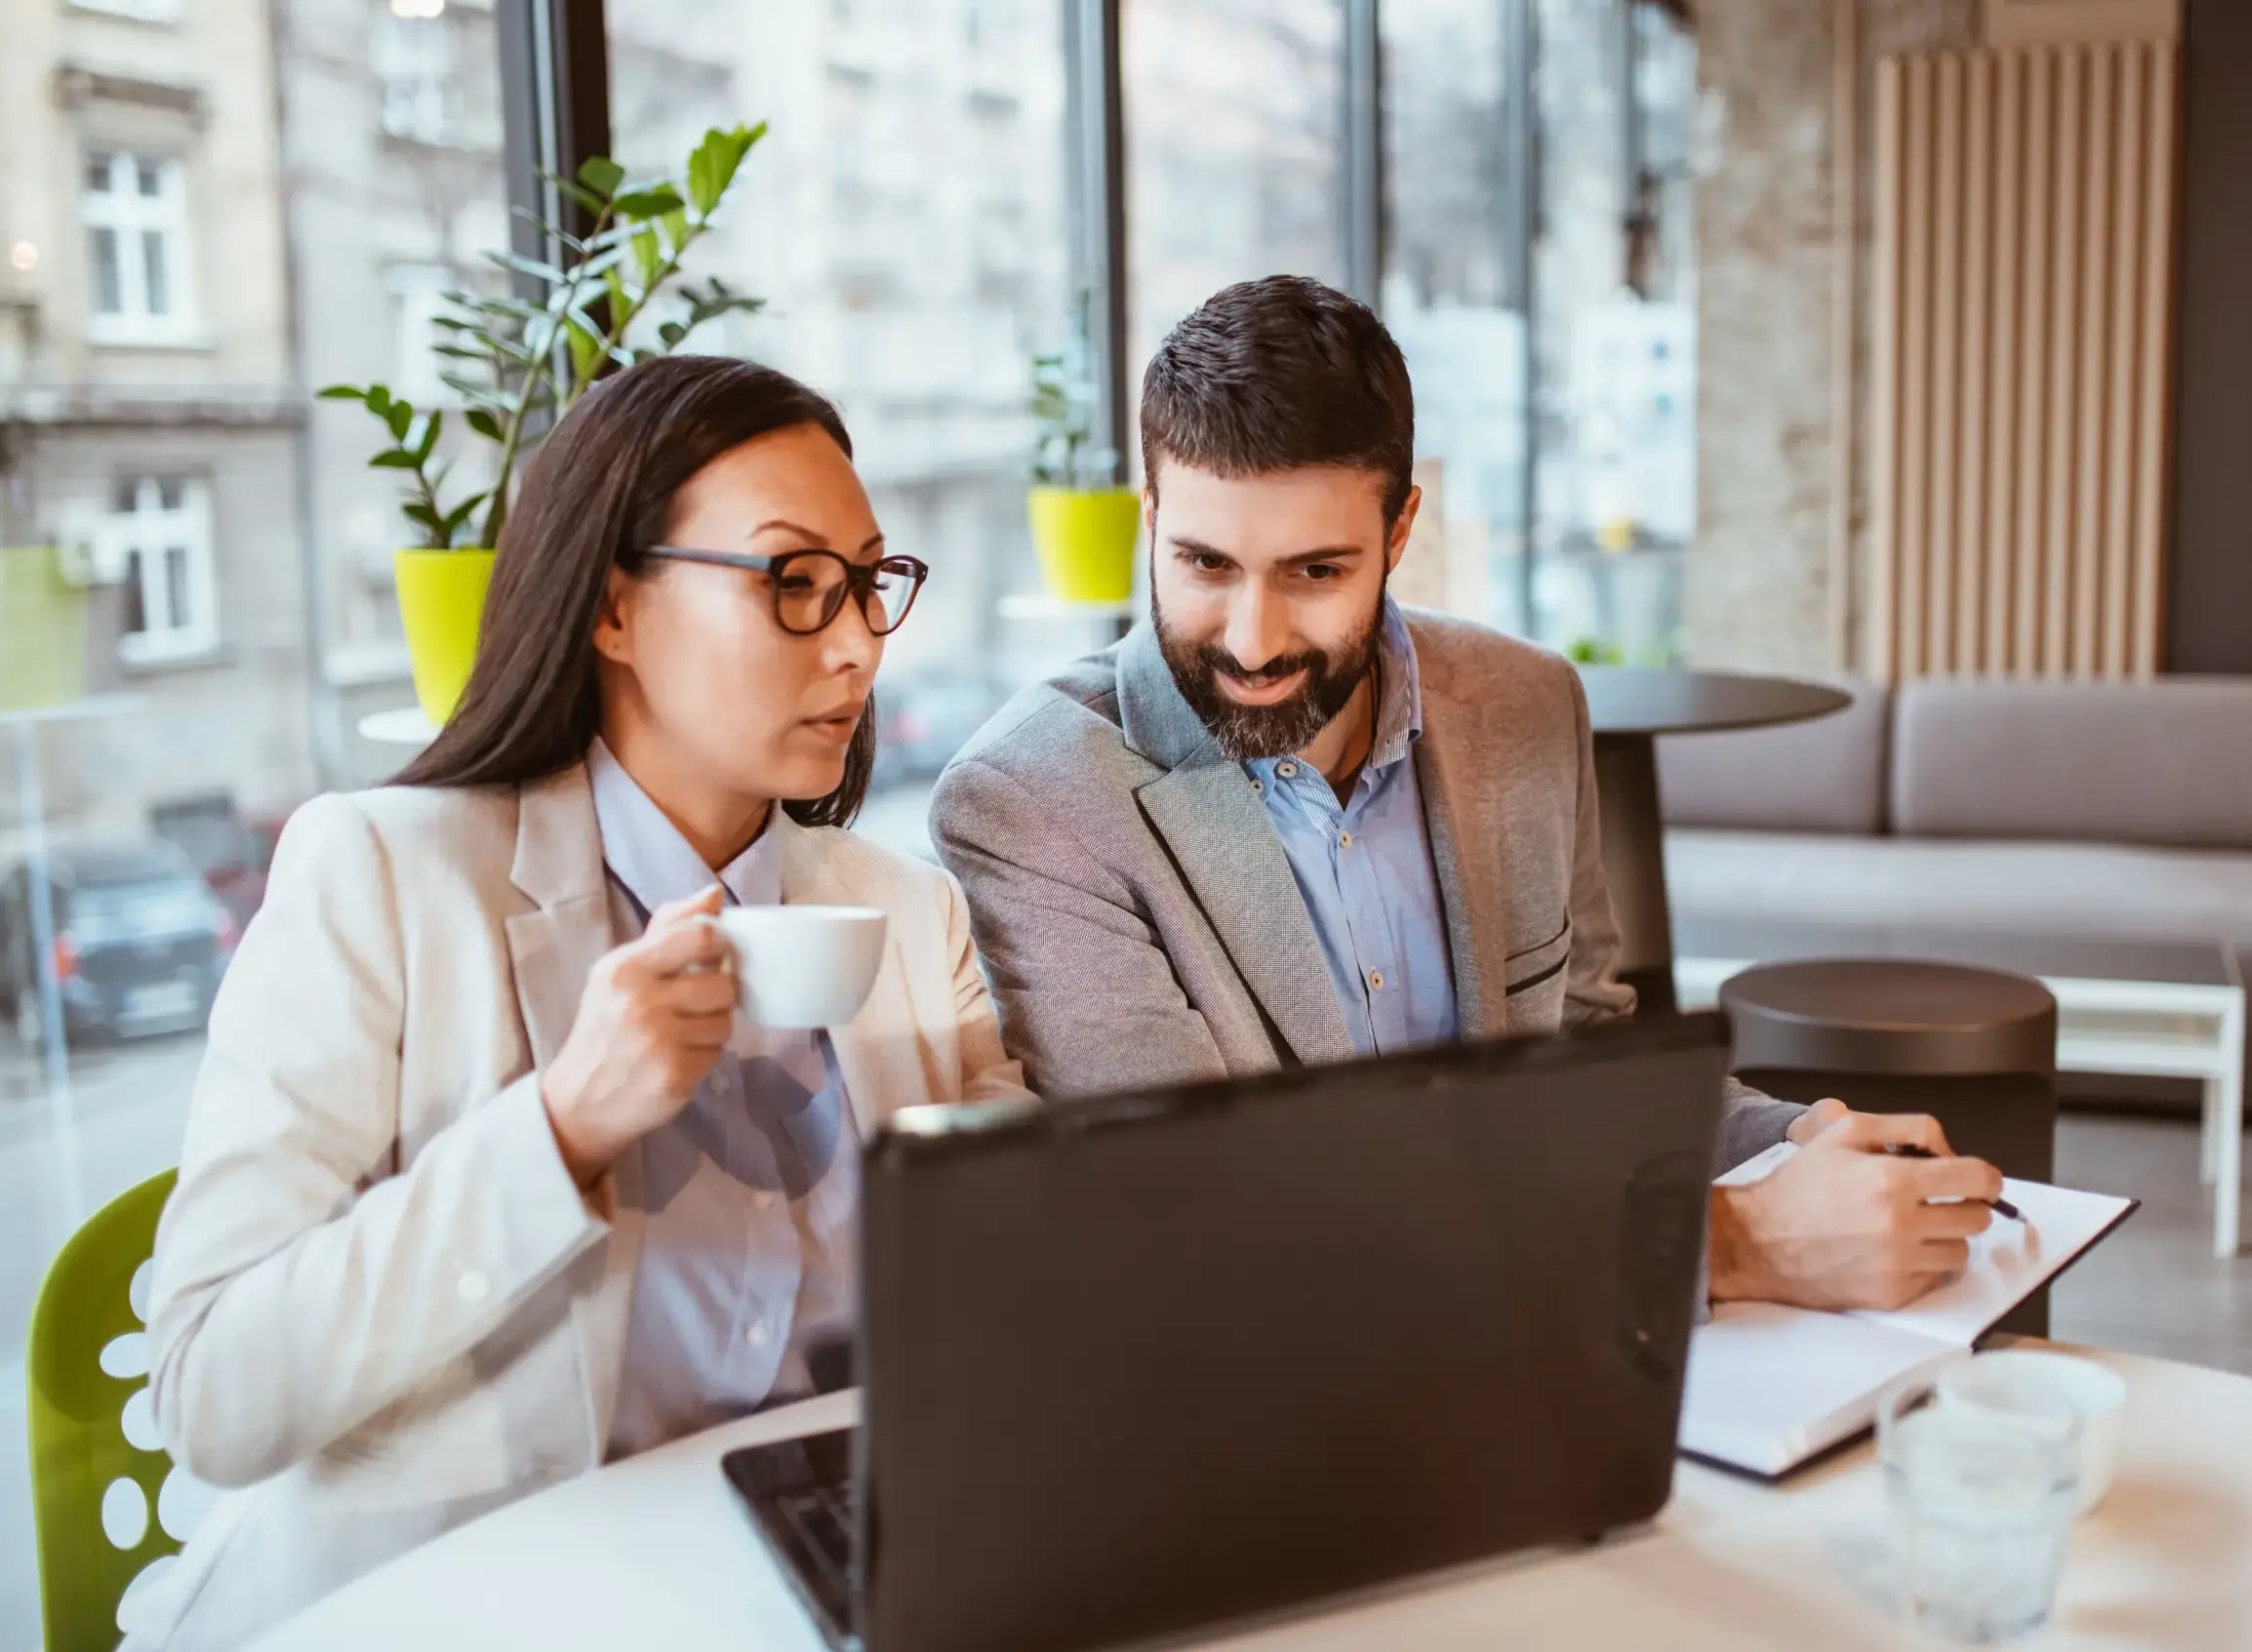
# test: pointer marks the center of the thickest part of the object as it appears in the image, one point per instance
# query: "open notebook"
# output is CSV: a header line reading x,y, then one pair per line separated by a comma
x,y
1771,1386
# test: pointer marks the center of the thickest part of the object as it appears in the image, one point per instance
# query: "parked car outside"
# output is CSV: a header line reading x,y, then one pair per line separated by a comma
x,y
233,851
139,942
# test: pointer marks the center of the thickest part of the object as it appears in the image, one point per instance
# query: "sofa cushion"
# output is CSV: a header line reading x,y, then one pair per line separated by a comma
x,y
1826,775
2166,763
2077,891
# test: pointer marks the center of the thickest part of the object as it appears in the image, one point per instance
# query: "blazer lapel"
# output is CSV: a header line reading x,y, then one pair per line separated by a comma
x,y
1217,828
1218,833
553,948
1454,748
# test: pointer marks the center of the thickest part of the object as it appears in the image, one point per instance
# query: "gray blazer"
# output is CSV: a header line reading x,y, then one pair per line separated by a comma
x,y
1137,916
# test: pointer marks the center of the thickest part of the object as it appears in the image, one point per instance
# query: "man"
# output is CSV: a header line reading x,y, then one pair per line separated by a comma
x,y
1287,822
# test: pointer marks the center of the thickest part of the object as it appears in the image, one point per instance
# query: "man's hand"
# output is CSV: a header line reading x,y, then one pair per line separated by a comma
x,y
1846,1224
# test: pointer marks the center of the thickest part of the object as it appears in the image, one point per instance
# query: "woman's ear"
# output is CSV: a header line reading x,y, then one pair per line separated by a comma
x,y
613,620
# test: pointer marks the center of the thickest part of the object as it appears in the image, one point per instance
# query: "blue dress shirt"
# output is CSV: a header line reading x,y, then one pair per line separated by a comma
x,y
1364,869
748,1196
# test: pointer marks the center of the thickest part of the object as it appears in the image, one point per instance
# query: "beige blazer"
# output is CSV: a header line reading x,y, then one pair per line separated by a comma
x,y
380,1305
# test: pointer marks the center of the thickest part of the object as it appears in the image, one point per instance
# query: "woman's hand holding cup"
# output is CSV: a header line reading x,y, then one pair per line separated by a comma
x,y
652,1023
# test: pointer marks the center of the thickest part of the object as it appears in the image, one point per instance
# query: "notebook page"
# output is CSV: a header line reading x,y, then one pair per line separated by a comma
x,y
1769,1386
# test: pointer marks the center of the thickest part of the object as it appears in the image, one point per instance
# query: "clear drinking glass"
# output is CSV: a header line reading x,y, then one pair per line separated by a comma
x,y
1982,1508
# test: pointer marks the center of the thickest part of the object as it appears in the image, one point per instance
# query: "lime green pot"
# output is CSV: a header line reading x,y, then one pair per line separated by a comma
x,y
441,604
42,631
1085,539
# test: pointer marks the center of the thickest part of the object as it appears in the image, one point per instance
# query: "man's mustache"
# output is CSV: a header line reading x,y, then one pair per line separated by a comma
x,y
1217,660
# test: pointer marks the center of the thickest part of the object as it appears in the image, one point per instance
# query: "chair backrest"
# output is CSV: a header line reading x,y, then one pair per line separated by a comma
x,y
97,1470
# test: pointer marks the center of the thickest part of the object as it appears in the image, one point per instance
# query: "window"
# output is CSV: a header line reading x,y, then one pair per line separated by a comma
x,y
1236,161
159,535
415,62
1450,297
136,212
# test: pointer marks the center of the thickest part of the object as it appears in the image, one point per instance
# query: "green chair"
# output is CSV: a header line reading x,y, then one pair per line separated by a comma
x,y
88,1481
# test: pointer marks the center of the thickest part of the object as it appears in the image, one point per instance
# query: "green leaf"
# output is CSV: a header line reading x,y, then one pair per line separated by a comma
x,y
653,202
648,257
678,233
479,396
485,424
460,352
538,269
592,203
711,169
396,459
379,399
620,300
431,421
400,416
601,173
417,511
342,392
673,332
585,349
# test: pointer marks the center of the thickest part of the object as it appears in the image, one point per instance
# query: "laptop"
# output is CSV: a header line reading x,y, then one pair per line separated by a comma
x,y
1144,1364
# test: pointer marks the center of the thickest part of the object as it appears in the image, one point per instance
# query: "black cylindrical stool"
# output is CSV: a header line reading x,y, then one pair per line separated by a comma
x,y
1974,1048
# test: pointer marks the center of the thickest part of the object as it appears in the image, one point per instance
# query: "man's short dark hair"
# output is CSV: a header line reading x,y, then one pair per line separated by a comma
x,y
1278,375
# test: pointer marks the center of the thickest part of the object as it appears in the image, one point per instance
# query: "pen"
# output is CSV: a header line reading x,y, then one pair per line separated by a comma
x,y
1912,1150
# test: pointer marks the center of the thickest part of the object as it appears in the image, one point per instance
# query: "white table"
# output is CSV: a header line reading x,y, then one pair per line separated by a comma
x,y
655,1553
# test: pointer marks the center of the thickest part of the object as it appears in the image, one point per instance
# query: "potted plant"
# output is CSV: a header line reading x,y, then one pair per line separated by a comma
x,y
519,366
1083,524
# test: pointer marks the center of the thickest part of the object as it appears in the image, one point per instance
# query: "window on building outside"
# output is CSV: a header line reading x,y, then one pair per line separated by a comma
x,y
134,208
159,534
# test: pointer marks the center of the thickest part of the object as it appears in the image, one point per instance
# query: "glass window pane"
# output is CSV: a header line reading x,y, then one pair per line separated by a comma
x,y
153,275
284,149
904,220
135,595
108,286
1234,123
1450,297
177,611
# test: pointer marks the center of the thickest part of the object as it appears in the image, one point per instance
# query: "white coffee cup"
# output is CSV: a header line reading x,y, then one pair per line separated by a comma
x,y
803,966
2013,1379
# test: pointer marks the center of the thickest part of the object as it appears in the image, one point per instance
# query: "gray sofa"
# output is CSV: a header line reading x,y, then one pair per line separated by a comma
x,y
2066,810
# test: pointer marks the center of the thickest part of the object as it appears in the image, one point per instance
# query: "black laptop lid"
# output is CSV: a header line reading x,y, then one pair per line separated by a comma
x,y
1139,1365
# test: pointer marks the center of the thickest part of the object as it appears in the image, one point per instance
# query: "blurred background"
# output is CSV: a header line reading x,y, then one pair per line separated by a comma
x,y
1630,248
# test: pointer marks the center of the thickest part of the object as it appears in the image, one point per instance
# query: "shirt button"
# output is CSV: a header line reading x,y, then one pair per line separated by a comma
x,y
471,1287
1344,840
1288,771
1258,786
1375,980
755,1336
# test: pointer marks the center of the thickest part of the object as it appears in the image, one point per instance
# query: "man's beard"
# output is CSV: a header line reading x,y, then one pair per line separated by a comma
x,y
1245,733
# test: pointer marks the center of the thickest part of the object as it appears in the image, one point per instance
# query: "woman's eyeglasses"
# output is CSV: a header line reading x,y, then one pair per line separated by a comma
x,y
810,587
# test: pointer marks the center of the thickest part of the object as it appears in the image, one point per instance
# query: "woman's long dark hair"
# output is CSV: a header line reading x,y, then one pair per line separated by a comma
x,y
597,495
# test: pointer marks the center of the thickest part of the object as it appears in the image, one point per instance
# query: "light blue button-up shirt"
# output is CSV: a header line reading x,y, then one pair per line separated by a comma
x,y
747,1197
1364,869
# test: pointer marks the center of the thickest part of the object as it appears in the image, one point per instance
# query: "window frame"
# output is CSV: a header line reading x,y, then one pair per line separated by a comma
x,y
130,216
138,543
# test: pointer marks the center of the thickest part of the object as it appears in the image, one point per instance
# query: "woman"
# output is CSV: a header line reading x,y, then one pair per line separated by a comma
x,y
484,1183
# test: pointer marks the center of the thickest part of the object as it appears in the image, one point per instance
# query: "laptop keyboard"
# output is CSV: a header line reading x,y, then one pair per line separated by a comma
x,y
821,1516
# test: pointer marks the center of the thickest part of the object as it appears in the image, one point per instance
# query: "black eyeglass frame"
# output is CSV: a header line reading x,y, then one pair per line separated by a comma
x,y
860,579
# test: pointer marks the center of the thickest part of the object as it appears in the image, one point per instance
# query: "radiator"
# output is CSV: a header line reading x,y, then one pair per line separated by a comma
x,y
2025,204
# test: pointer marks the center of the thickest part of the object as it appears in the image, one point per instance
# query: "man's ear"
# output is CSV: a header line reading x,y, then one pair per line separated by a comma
x,y
613,636
1397,545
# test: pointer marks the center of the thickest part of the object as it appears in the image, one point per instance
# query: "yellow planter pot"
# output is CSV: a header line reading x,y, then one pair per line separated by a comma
x,y
1085,538
42,631
441,603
